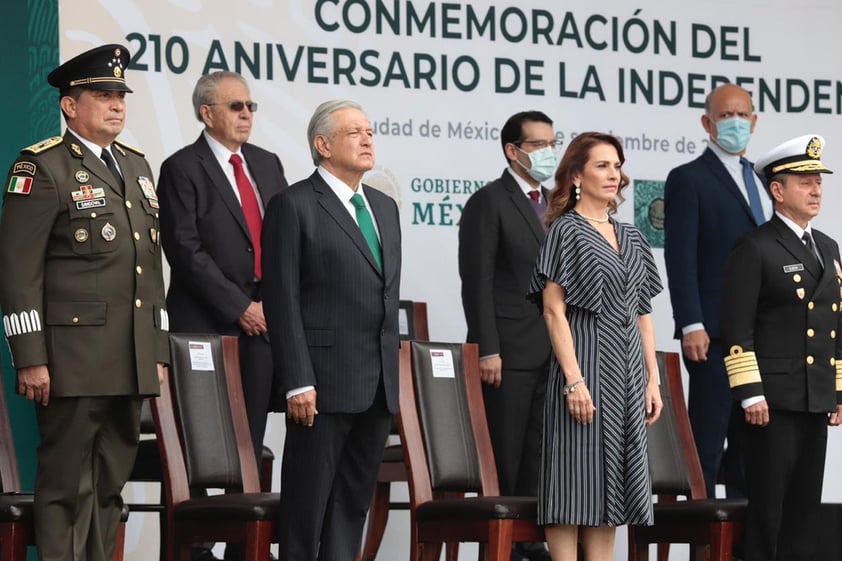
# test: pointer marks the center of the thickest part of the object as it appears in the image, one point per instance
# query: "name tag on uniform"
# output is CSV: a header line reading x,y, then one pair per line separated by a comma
x,y
793,268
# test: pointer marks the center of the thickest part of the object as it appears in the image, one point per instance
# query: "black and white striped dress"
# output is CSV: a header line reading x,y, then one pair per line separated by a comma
x,y
598,473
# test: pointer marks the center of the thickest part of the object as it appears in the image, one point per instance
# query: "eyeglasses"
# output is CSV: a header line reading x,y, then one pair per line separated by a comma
x,y
237,106
539,144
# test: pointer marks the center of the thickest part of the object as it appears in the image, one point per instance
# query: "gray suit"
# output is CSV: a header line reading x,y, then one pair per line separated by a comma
x,y
333,322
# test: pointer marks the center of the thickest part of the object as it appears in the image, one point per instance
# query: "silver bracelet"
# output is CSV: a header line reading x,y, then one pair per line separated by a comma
x,y
570,388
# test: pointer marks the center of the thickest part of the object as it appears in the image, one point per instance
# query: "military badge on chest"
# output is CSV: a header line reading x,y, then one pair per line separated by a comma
x,y
148,189
88,196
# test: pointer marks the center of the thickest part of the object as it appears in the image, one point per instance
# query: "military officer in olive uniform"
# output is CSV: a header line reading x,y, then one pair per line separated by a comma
x,y
82,299
780,329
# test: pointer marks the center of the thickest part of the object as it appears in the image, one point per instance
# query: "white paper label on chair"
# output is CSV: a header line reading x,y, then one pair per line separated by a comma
x,y
442,362
403,322
201,357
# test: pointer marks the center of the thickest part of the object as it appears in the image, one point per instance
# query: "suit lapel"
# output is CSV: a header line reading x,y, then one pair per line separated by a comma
x,y
337,211
258,172
220,182
91,162
828,255
718,169
788,239
523,206
384,214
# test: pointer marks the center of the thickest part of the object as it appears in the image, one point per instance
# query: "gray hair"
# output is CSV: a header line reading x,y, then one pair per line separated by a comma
x,y
321,123
205,90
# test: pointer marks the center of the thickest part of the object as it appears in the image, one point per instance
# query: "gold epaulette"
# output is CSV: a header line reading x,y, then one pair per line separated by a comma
x,y
44,145
121,144
742,367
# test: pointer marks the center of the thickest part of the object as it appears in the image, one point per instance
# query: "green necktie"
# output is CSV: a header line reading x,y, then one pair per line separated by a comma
x,y
367,228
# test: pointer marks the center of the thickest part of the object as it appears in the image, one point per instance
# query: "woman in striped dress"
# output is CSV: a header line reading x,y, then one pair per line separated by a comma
x,y
596,278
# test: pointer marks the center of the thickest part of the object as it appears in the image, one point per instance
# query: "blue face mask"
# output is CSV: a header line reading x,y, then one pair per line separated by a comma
x,y
543,163
732,134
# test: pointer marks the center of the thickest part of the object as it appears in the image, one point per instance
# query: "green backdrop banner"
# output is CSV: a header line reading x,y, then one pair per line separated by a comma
x,y
29,113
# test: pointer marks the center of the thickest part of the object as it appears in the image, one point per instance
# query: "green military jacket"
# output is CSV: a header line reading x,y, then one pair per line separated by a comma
x,y
81,288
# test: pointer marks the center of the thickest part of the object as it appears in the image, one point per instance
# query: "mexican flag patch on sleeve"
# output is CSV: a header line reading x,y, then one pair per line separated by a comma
x,y
20,185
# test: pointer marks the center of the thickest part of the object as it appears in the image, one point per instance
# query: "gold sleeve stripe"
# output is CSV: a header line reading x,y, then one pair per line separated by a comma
x,y
742,367
839,374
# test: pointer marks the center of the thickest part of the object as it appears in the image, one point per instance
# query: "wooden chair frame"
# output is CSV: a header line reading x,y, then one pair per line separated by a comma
x,y
191,520
710,526
459,519
392,469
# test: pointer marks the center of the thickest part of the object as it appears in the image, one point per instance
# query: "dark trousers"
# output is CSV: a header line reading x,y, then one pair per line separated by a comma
x,y
515,413
784,471
715,417
327,480
257,375
86,454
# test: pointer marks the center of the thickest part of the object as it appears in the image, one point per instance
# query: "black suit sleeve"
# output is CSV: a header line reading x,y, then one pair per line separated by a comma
x,y
183,245
681,242
282,262
479,232
740,294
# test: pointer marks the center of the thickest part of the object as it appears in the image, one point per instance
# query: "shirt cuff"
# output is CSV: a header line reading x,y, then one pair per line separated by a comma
x,y
489,356
749,401
302,389
692,327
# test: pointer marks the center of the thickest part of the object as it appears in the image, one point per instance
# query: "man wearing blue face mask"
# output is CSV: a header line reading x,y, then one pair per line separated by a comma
x,y
501,230
709,203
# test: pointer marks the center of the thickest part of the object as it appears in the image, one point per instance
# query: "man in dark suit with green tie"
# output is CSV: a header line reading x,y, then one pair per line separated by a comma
x,y
780,332
83,304
331,266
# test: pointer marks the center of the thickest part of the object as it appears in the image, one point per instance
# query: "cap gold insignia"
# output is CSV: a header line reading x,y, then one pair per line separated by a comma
x,y
800,293
117,72
81,235
814,148
82,176
24,167
76,149
109,232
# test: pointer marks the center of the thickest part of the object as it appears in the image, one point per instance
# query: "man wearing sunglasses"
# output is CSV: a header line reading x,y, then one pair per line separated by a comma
x,y
213,194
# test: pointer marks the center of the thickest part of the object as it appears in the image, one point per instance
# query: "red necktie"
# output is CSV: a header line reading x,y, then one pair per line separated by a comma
x,y
251,210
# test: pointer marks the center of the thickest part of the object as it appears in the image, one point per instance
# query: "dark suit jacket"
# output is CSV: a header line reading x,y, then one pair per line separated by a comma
x,y
499,239
332,314
705,213
778,304
206,239
82,288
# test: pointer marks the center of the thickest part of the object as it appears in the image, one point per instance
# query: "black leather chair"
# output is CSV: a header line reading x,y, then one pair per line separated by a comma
x,y
447,451
17,530
203,439
413,325
710,526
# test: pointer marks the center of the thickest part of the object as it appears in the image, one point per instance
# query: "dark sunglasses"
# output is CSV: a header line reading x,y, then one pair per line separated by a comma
x,y
237,106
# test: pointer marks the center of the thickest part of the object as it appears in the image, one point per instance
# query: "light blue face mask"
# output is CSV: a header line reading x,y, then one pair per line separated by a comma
x,y
733,133
543,163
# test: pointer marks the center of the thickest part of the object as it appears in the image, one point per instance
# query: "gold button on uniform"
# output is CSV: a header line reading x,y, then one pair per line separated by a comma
x,y
137,236
93,215
810,332
810,306
75,319
834,307
796,277
833,334
810,359
138,303
832,361
139,270
128,204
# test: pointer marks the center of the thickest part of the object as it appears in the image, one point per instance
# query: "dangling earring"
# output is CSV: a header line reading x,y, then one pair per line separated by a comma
x,y
578,192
